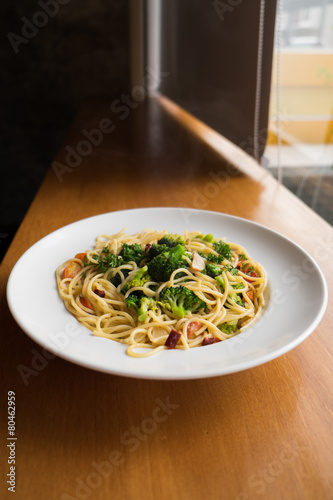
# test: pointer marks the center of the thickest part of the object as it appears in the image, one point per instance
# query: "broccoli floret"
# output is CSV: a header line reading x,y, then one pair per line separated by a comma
x,y
106,260
132,253
222,248
146,304
156,249
117,278
139,279
215,259
231,269
172,240
133,300
238,286
163,265
220,281
239,301
180,301
236,298
212,257
213,270
229,327
142,304
233,295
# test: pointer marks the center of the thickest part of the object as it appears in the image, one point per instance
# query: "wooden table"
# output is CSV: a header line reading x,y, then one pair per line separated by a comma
x,y
261,433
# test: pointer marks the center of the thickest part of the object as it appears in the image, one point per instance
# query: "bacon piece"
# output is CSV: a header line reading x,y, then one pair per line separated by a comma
x,y
100,293
208,340
172,339
193,327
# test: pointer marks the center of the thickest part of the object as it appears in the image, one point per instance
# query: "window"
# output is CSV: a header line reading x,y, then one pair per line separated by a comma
x,y
209,50
301,104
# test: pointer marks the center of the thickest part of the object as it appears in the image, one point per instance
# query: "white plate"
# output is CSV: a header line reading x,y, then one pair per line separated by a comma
x,y
296,298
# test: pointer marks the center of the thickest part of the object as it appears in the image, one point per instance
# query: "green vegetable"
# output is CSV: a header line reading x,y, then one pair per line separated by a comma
x,y
223,249
156,249
107,260
180,301
132,253
118,278
86,261
229,327
163,265
212,257
206,237
141,303
211,267
209,237
172,240
139,279
220,281
231,269
238,286
236,298
213,270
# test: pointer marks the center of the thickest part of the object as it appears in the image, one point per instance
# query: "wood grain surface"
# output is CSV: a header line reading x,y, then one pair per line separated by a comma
x,y
261,433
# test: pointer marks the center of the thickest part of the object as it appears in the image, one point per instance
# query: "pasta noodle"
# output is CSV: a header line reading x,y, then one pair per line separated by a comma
x,y
155,290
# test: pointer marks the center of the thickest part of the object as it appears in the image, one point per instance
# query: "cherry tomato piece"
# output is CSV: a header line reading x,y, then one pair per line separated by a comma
x,y
71,270
85,302
80,256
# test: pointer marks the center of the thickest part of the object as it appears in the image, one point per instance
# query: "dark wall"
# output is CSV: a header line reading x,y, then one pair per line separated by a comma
x,y
80,49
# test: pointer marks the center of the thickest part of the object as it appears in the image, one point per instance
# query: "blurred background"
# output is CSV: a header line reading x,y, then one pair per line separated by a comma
x,y
82,51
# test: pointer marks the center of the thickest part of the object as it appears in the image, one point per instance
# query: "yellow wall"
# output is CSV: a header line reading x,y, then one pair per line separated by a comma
x,y
306,98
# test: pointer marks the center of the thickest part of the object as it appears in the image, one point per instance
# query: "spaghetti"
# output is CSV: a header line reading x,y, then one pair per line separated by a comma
x,y
156,290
